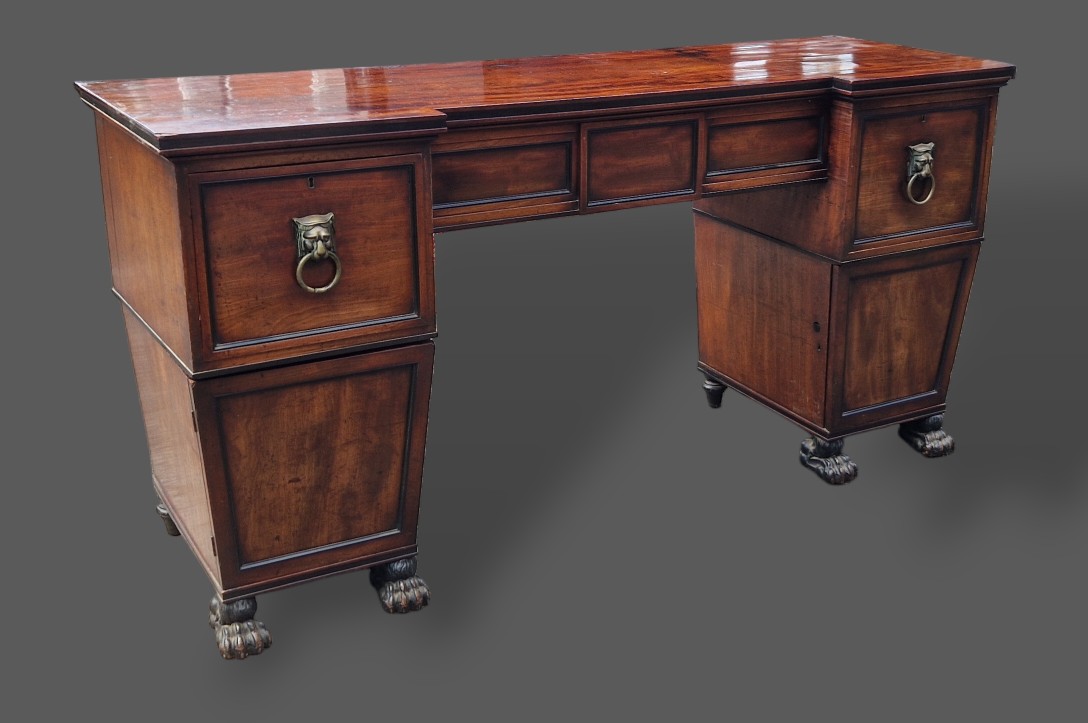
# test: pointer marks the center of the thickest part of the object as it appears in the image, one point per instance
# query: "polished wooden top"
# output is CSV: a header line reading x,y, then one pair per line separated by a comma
x,y
199,113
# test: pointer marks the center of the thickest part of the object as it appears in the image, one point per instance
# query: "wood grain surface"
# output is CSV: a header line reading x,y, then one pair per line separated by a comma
x,y
186,114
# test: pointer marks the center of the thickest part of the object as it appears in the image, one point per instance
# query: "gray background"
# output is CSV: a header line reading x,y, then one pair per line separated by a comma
x,y
598,541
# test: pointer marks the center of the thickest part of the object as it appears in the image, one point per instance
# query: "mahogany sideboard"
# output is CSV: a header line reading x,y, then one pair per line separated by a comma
x,y
271,240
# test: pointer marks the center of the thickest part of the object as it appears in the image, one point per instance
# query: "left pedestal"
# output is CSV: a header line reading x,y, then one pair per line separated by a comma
x,y
278,476
279,309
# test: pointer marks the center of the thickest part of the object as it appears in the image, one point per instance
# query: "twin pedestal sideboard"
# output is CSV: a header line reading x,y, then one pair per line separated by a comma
x,y
271,240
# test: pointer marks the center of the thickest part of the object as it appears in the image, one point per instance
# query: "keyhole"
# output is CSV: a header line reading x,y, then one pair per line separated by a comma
x,y
816,326
310,181
923,117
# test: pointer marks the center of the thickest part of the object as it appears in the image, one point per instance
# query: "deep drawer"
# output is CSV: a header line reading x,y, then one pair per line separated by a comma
x,y
955,188
255,304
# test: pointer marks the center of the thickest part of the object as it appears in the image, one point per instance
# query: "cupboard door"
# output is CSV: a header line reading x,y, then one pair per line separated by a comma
x,y
315,467
895,330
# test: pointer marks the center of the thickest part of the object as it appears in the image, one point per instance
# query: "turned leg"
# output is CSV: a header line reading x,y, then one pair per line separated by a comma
x,y
826,459
714,391
237,634
399,590
927,436
167,520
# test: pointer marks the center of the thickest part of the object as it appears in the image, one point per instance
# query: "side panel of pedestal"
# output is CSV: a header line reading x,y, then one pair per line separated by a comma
x,y
145,216
763,318
315,468
177,467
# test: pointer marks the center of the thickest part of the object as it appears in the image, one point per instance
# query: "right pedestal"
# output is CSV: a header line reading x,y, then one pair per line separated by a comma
x,y
839,303
837,347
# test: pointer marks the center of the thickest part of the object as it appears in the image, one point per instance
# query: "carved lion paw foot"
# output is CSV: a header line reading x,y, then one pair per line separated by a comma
x,y
238,641
399,589
827,460
927,436
237,634
404,596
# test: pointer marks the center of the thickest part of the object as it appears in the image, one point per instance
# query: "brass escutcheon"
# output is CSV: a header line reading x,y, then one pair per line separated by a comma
x,y
314,237
920,165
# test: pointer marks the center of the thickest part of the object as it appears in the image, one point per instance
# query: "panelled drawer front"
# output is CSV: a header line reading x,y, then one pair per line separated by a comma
x,y
504,174
640,160
492,175
959,134
766,143
750,146
315,465
246,235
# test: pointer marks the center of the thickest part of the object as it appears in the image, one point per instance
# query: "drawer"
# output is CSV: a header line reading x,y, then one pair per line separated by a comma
x,y
638,161
254,305
315,466
960,137
504,175
765,144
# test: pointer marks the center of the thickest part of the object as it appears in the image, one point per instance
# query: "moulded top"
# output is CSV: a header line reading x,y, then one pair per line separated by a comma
x,y
191,114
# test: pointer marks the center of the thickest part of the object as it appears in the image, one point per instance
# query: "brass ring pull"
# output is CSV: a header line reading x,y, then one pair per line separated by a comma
x,y
920,158
312,256
932,187
314,236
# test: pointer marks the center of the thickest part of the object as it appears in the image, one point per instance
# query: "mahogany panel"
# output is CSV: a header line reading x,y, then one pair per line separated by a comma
x,y
897,322
177,467
525,172
143,224
330,476
640,160
246,247
753,145
891,354
763,316
185,115
328,464
883,208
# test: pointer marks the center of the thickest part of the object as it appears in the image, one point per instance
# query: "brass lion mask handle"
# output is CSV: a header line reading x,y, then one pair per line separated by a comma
x,y
920,166
314,236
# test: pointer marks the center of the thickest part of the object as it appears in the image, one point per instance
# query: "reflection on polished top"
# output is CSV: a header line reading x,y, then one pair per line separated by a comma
x,y
197,113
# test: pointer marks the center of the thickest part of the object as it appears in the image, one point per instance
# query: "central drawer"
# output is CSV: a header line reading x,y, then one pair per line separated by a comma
x,y
254,282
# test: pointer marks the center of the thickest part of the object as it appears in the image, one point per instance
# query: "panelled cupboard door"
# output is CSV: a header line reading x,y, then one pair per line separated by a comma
x,y
315,467
895,330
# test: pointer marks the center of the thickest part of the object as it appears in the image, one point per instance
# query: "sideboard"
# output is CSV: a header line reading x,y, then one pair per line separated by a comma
x,y
271,240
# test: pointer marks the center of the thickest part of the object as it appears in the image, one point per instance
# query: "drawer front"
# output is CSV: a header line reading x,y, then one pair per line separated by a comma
x,y
764,144
751,146
315,466
383,244
628,162
960,147
504,175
